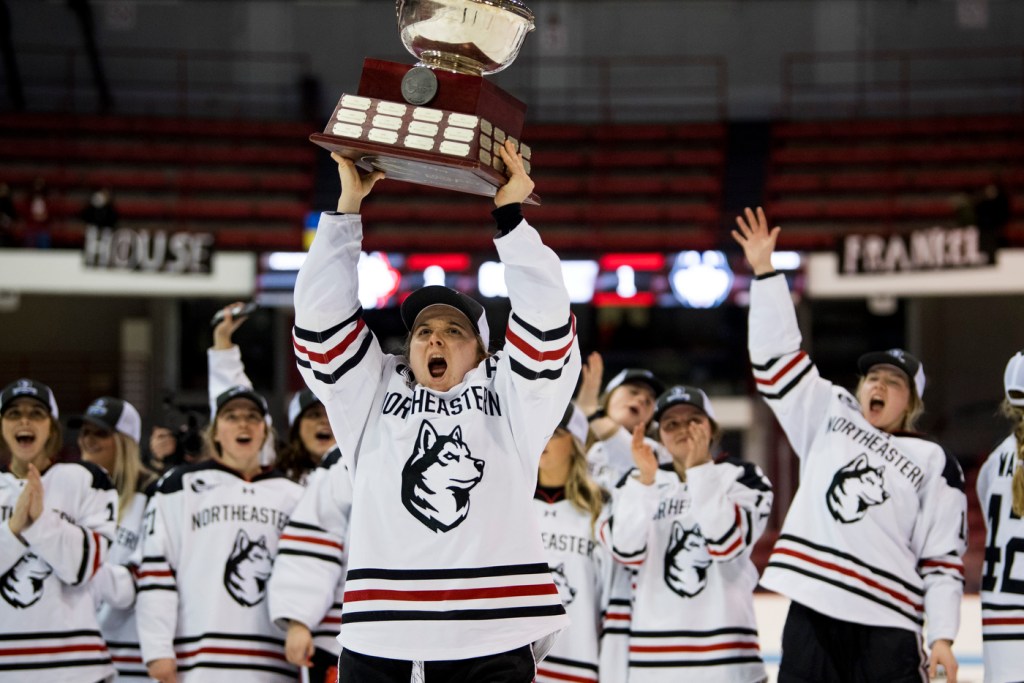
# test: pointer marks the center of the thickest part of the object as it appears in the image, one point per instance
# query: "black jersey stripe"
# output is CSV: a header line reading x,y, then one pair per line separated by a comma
x,y
523,371
441,574
305,527
729,630
846,556
323,335
789,387
455,615
304,553
992,605
355,360
85,557
723,661
544,335
55,664
216,635
55,635
173,589
849,589
616,631
1003,636
571,662
291,673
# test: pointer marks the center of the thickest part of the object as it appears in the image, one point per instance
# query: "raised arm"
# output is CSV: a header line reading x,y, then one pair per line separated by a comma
x,y
731,504
542,352
785,376
338,356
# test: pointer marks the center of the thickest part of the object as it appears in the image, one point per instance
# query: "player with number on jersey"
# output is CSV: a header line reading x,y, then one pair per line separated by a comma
x,y
56,524
1001,494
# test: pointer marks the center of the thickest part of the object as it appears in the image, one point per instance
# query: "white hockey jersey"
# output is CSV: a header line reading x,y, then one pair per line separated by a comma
x,y
114,589
308,581
209,545
581,569
48,626
690,542
445,559
877,529
1002,578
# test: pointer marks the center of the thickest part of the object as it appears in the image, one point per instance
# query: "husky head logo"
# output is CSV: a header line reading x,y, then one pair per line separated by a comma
x,y
248,570
854,489
566,593
686,561
22,585
438,477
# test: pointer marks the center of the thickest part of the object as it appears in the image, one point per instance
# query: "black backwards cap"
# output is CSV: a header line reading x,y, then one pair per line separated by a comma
x,y
240,391
683,395
302,401
112,414
899,358
434,295
634,376
29,388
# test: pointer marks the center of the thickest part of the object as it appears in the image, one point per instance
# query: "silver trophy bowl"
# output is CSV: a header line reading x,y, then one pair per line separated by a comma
x,y
476,37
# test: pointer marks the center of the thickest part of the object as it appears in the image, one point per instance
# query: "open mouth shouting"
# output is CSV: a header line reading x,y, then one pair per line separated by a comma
x,y
437,366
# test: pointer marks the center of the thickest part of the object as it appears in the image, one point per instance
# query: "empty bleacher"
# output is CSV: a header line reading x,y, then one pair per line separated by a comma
x,y
825,178
613,186
249,182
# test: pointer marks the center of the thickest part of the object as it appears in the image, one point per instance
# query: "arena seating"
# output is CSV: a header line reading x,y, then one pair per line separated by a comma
x,y
882,175
621,186
251,182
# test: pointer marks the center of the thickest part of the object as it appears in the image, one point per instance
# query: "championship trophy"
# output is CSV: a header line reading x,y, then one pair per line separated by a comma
x,y
438,123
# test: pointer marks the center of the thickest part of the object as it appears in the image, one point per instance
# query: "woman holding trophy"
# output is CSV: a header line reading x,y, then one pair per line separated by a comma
x,y
447,578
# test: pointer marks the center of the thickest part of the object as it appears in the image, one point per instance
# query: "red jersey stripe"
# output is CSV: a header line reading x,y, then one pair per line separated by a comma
x,y
331,354
451,594
852,574
81,647
789,366
564,677
536,354
733,645
311,539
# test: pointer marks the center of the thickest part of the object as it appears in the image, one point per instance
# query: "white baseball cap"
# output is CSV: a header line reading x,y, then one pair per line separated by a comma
x,y
1013,380
112,414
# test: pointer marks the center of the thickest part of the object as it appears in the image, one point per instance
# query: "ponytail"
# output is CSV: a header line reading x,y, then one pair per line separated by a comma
x,y
1018,476
1016,414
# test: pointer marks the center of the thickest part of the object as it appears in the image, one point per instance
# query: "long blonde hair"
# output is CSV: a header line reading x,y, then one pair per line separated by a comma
x,y
129,475
1016,415
580,488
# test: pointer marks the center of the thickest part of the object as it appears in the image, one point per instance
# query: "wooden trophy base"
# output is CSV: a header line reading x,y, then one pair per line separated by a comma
x,y
451,144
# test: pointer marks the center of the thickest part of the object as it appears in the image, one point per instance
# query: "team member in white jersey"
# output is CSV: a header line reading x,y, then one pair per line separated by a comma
x,y
108,436
689,528
56,525
626,403
212,531
567,504
1001,494
446,575
309,432
873,541
308,583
